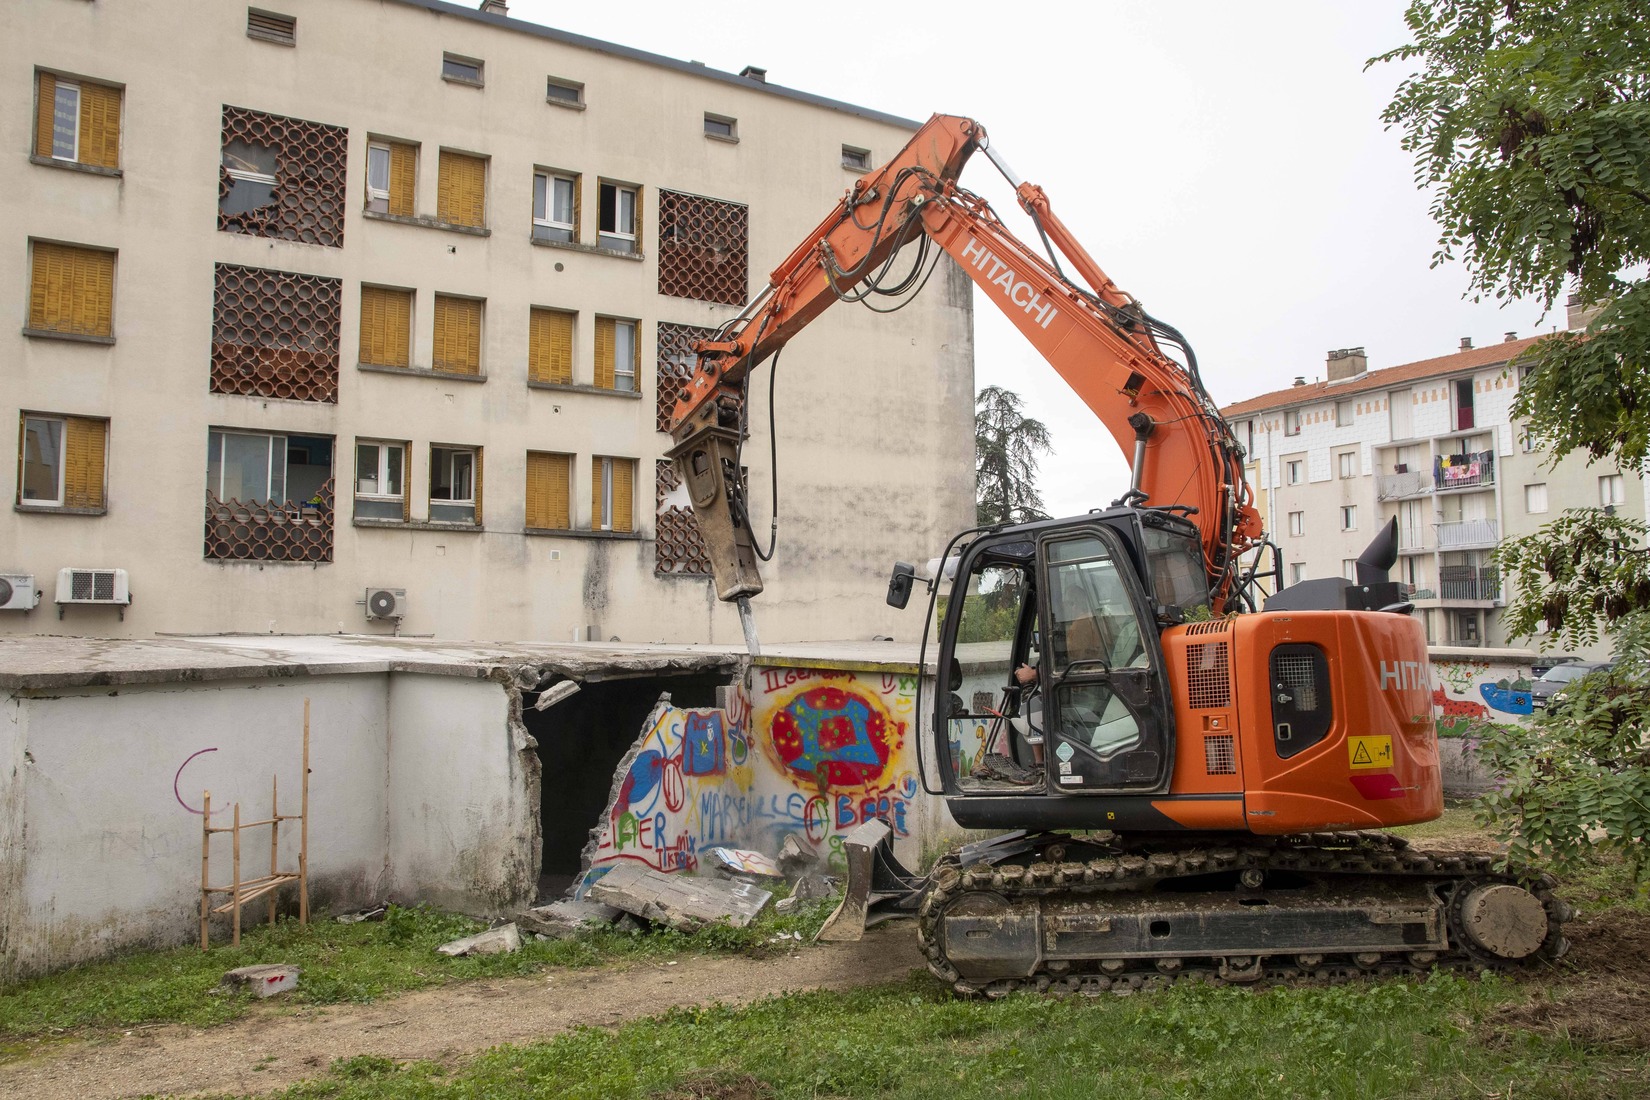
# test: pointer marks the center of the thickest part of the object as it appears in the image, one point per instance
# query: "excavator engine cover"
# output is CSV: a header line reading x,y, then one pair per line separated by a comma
x,y
708,461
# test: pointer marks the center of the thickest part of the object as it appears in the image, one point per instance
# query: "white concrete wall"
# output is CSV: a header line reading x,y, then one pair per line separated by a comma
x,y
463,817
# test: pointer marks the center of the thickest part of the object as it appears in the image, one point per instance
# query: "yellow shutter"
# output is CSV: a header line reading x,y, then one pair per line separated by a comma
x,y
623,475
461,197
476,492
402,165
457,335
386,323
547,498
596,492
604,352
44,108
578,205
550,346
100,125
83,462
72,290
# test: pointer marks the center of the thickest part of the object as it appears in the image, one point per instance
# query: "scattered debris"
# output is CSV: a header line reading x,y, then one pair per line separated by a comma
x,y
565,918
742,861
371,912
629,923
796,858
813,886
786,905
551,696
503,940
679,900
265,980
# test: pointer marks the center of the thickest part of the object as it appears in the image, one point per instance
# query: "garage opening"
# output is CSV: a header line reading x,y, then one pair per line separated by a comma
x,y
581,741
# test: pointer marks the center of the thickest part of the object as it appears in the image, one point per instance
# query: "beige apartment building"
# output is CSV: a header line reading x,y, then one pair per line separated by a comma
x,y
1433,444
365,316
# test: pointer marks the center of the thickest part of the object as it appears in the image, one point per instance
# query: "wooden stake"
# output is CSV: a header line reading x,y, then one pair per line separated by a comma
x,y
274,837
303,831
235,940
206,856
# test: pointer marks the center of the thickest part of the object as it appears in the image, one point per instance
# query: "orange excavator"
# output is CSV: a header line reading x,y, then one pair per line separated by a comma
x,y
1194,771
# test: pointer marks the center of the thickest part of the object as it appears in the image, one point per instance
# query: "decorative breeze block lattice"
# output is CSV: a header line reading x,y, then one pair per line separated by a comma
x,y
704,247
307,203
678,548
261,530
676,362
275,334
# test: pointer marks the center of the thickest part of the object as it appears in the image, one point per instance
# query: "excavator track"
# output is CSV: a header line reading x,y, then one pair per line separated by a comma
x,y
1065,915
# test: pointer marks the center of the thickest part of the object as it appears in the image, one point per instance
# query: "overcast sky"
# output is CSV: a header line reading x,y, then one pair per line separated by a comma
x,y
1225,163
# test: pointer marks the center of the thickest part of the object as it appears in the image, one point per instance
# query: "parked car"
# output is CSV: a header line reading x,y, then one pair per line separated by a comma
x,y
1540,665
1544,692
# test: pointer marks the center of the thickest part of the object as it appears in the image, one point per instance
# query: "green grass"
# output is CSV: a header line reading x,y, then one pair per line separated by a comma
x,y
340,962
1397,1039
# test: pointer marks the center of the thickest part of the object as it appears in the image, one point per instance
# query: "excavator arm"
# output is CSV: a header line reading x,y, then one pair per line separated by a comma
x,y
1098,338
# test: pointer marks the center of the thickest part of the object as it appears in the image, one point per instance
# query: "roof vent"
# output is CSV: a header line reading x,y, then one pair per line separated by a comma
x,y
271,26
1510,337
751,72
1466,343
1300,379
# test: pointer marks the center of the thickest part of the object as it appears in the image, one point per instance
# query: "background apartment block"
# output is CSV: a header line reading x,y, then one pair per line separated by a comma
x,y
1433,444
395,295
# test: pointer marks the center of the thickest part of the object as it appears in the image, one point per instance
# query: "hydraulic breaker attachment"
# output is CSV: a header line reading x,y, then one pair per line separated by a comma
x,y
879,887
707,460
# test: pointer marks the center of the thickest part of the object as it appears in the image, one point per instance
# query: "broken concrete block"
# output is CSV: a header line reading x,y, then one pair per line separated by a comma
x,y
796,857
567,917
812,887
263,981
742,861
371,912
786,905
502,940
678,900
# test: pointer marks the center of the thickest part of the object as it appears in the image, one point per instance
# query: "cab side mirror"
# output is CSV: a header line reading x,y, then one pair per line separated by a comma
x,y
899,584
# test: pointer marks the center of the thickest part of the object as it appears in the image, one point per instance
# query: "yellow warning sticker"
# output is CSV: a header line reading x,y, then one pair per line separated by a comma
x,y
1370,752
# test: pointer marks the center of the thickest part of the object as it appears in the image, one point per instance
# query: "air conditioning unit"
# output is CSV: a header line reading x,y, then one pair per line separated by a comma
x,y
386,603
18,593
106,587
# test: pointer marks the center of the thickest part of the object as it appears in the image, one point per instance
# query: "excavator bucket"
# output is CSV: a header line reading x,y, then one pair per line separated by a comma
x,y
708,461
879,887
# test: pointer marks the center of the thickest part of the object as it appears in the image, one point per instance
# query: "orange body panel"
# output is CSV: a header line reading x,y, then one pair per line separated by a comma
x,y
1378,689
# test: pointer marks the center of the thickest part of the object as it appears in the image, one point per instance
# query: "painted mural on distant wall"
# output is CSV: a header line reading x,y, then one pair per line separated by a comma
x,y
1468,694
805,752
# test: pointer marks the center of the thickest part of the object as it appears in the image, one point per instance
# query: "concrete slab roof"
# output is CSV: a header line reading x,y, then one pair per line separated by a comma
x,y
35,662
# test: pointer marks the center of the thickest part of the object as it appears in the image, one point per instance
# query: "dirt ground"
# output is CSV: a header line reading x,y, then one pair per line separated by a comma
x,y
277,1047
1605,1006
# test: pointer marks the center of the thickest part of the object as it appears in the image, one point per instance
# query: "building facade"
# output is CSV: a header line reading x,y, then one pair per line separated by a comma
x,y
1432,444
366,315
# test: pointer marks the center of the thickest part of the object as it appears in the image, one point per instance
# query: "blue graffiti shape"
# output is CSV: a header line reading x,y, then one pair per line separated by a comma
x,y
640,781
1502,697
702,752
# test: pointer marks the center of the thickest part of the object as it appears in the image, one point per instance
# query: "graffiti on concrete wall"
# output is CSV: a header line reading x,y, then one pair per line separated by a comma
x,y
1468,694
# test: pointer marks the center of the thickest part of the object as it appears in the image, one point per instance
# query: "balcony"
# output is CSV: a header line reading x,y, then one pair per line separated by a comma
x,y
1464,471
1469,583
261,530
1468,534
1406,484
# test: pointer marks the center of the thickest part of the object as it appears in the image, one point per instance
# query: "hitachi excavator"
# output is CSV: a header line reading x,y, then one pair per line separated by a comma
x,y
1194,772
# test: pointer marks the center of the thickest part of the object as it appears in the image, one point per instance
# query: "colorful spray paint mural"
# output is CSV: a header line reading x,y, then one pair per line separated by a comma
x,y
804,752
1470,693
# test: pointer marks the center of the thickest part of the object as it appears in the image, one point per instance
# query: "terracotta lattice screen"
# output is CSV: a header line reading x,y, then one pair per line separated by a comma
x,y
678,548
703,248
270,530
305,202
676,361
275,334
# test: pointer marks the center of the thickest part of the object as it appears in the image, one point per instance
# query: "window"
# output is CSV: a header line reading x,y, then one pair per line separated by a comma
x,y
1535,498
461,192
550,346
722,127
461,70
1294,471
1610,490
1462,388
77,122
1343,414
455,484
857,159
616,354
549,491
386,326
457,335
268,26
269,496
704,248
71,291
1291,422
380,469
1297,523
246,467
1349,569
617,217
392,168
610,493
282,178
1349,517
1526,439
1297,572
1347,464
566,93
62,463
555,207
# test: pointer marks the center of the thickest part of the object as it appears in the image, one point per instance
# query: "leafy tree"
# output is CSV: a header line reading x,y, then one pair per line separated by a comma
x,y
1529,121
1007,445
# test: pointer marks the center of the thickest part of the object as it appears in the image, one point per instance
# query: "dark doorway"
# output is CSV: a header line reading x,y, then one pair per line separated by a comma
x,y
581,741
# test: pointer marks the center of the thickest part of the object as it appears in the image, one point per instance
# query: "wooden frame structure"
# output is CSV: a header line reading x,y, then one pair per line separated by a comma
x,y
241,891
